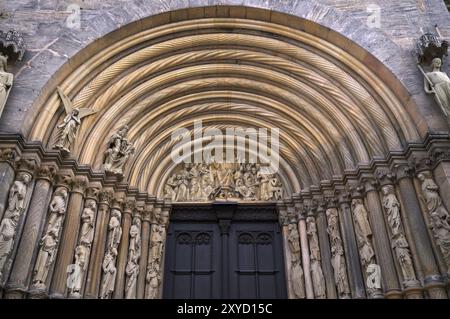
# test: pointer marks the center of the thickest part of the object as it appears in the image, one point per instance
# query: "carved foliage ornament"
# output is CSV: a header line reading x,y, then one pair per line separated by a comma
x,y
238,181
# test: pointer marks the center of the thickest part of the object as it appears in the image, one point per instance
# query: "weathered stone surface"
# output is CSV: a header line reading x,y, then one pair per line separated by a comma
x,y
52,42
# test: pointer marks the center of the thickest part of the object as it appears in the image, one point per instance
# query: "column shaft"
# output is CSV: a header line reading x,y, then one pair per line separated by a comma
x,y
305,258
123,254
325,253
68,238
145,235
98,248
355,277
382,246
23,264
433,282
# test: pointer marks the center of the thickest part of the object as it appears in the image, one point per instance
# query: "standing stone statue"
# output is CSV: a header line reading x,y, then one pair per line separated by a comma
x,y
399,243
75,273
296,271
87,226
364,237
438,83
8,226
438,214
153,280
6,82
316,268
109,274
119,149
337,254
134,253
67,130
50,239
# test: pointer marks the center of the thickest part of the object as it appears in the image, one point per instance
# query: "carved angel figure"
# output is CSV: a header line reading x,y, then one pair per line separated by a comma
x,y
6,81
119,149
67,130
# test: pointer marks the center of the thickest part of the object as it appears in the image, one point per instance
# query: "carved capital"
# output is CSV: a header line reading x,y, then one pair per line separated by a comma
x,y
291,213
8,155
423,164
27,164
313,208
147,213
138,211
344,197
47,172
63,179
332,202
129,205
321,206
441,155
404,170
93,192
370,184
105,196
79,184
358,191
385,177
118,200
282,214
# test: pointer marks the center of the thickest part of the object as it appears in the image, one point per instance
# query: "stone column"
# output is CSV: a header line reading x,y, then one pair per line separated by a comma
x,y
391,285
325,251
7,161
291,239
355,277
69,237
50,239
134,253
109,262
76,277
317,277
165,218
23,264
337,249
399,242
128,209
301,213
12,223
98,247
441,159
153,277
433,281
146,218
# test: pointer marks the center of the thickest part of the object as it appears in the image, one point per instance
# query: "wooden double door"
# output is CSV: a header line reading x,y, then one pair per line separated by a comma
x,y
224,251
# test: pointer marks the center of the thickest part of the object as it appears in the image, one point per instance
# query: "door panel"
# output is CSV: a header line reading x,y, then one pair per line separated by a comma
x,y
218,256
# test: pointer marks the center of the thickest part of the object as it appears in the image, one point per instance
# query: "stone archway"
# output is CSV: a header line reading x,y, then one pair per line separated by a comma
x,y
345,120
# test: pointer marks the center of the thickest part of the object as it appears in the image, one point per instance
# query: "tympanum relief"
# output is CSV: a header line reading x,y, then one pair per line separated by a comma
x,y
223,181
12,216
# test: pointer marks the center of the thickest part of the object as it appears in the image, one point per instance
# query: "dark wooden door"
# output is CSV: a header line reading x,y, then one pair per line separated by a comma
x,y
224,251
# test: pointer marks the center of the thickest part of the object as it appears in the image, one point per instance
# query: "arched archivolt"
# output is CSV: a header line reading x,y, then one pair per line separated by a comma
x,y
334,112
